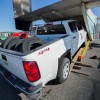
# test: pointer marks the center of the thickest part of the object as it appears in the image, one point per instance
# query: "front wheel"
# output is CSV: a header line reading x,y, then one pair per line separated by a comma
x,y
64,70
84,44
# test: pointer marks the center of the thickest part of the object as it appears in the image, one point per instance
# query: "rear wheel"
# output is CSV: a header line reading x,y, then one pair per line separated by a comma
x,y
64,70
84,44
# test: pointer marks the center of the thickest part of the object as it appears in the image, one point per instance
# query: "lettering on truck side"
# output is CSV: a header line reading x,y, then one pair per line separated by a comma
x,y
44,51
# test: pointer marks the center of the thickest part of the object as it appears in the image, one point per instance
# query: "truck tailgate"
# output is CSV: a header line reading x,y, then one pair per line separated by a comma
x,y
13,63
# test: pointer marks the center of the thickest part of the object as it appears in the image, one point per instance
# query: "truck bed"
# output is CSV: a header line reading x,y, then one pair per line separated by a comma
x,y
13,61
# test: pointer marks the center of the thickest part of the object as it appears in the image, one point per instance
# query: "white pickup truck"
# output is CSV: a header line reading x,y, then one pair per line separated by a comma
x,y
29,72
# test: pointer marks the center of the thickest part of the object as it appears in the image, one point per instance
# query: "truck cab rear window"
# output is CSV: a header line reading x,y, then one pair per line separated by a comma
x,y
51,29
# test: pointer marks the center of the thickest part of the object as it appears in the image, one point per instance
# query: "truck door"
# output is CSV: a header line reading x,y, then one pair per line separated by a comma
x,y
81,32
74,36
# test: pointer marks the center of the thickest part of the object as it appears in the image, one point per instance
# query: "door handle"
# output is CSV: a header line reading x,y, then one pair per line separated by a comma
x,y
74,37
4,57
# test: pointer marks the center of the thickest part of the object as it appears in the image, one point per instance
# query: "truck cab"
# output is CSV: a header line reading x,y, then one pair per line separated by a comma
x,y
55,30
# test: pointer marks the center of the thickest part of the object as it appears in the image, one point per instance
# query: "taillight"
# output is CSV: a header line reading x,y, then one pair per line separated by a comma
x,y
32,71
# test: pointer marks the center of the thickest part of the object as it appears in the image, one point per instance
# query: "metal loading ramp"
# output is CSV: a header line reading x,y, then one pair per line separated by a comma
x,y
65,9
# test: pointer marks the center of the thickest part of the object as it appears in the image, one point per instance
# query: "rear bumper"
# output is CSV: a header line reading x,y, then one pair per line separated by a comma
x,y
33,92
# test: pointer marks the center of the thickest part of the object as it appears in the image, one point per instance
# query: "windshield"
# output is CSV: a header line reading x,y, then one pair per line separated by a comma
x,y
51,29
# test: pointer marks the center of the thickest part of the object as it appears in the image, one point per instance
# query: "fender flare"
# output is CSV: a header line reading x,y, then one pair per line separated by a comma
x,y
68,52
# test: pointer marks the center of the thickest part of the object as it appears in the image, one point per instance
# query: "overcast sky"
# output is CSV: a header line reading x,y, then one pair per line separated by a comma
x,y
7,16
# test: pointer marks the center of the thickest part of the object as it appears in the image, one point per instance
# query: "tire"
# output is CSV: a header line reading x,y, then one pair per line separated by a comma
x,y
63,71
12,44
31,43
84,44
18,46
6,42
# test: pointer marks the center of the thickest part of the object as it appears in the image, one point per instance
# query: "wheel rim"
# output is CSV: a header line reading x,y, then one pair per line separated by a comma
x,y
66,71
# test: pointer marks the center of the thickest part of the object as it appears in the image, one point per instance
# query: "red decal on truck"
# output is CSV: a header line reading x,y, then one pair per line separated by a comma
x,y
45,50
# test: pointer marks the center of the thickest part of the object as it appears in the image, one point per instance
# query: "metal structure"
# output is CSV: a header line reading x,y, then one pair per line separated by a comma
x,y
98,18
65,9
22,7
97,31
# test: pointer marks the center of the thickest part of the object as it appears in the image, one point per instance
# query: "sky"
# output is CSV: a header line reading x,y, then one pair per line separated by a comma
x,y
7,16
96,11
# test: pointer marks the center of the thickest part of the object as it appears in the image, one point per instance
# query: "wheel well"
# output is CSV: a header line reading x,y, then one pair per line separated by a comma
x,y
67,54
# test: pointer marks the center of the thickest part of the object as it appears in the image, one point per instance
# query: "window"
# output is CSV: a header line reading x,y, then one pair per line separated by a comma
x,y
72,27
79,26
51,29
